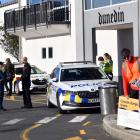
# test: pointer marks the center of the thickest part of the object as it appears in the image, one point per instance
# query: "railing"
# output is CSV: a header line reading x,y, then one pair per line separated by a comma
x,y
36,15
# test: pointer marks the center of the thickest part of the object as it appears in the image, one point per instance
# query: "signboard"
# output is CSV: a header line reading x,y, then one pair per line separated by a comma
x,y
128,113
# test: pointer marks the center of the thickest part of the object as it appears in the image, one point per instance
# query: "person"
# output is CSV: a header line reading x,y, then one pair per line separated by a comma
x,y
2,78
10,74
108,65
26,83
101,62
130,74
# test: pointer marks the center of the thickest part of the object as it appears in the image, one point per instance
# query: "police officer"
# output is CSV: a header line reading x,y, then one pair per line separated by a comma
x,y
2,78
26,83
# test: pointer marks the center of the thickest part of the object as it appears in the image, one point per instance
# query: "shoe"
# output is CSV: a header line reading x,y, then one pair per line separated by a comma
x,y
29,107
8,94
23,107
3,109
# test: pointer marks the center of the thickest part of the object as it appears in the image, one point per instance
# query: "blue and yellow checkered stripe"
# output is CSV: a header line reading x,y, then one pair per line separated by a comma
x,y
71,97
75,99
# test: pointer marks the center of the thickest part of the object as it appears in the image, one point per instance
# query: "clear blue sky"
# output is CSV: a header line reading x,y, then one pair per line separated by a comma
x,y
5,1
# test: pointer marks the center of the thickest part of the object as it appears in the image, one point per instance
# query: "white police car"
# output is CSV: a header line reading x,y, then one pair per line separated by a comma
x,y
38,79
74,85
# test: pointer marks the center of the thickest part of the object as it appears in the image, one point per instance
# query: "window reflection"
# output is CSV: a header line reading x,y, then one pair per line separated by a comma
x,y
119,1
88,4
100,3
56,3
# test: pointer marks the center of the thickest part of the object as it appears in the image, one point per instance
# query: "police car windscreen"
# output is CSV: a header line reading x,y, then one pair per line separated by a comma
x,y
77,74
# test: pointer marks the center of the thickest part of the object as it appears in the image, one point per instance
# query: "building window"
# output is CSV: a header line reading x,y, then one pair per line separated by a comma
x,y
87,4
50,52
119,1
43,53
100,3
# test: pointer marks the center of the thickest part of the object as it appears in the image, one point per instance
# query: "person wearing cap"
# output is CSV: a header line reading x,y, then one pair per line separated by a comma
x,y
2,79
130,74
26,83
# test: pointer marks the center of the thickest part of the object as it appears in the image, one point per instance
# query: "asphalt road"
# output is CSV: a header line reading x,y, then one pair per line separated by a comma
x,y
41,123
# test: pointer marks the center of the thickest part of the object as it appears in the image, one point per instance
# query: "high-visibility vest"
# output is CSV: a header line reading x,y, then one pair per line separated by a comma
x,y
134,73
107,67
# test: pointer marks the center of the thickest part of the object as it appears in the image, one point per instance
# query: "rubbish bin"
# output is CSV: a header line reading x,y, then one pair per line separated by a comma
x,y
108,99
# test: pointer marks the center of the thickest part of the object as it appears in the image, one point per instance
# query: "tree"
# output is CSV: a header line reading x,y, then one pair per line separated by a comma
x,y
9,43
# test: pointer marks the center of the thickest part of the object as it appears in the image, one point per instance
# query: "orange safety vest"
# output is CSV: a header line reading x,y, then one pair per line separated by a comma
x,y
133,73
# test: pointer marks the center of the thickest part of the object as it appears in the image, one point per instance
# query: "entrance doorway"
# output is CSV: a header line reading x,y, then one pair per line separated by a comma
x,y
113,41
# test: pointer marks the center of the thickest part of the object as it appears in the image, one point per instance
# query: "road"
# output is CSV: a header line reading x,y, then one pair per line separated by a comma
x,y
41,123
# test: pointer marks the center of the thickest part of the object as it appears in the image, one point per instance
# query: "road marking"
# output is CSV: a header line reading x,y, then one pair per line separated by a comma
x,y
25,133
87,123
74,138
12,122
82,132
10,98
78,119
46,120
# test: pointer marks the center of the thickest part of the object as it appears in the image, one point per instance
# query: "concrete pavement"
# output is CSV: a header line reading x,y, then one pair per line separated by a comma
x,y
110,126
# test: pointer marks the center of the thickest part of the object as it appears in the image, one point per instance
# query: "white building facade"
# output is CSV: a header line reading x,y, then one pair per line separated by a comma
x,y
96,27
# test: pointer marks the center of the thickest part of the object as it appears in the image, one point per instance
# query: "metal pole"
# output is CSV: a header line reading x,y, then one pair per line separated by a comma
x,y
20,39
83,7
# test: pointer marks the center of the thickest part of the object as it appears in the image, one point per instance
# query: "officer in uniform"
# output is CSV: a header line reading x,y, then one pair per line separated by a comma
x,y
26,83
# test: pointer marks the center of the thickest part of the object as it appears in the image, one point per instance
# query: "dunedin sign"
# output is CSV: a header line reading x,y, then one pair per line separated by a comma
x,y
109,18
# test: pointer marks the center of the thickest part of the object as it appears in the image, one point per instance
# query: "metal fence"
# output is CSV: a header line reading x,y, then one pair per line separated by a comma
x,y
36,15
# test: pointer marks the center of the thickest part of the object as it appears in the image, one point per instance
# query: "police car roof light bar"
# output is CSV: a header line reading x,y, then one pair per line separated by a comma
x,y
76,62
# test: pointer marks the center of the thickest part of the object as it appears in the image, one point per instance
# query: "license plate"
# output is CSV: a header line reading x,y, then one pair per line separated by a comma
x,y
93,100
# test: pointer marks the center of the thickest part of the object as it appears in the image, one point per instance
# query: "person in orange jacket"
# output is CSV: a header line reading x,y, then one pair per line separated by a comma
x,y
130,74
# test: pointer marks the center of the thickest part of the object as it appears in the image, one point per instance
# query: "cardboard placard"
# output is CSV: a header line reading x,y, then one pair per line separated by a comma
x,y
128,113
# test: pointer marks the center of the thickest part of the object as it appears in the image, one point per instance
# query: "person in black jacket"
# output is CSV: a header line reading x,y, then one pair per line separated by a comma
x,y
10,74
26,83
2,79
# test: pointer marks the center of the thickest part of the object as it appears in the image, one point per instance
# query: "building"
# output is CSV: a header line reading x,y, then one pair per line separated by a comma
x,y
5,5
84,30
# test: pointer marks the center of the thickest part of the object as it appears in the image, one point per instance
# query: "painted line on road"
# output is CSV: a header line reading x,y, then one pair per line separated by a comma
x,y
87,123
25,134
82,132
46,120
73,138
22,99
78,119
12,122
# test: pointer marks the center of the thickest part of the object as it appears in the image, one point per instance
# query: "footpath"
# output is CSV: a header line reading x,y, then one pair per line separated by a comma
x,y
119,132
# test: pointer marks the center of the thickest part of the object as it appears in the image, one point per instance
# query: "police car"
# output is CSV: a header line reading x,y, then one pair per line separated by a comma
x,y
74,85
38,79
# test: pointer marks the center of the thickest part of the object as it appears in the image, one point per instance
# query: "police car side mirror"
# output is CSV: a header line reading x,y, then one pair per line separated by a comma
x,y
55,80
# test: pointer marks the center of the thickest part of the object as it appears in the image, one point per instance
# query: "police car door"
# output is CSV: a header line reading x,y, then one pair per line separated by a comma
x,y
54,83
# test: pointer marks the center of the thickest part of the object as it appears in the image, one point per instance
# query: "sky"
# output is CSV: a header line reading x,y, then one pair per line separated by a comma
x,y
5,1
